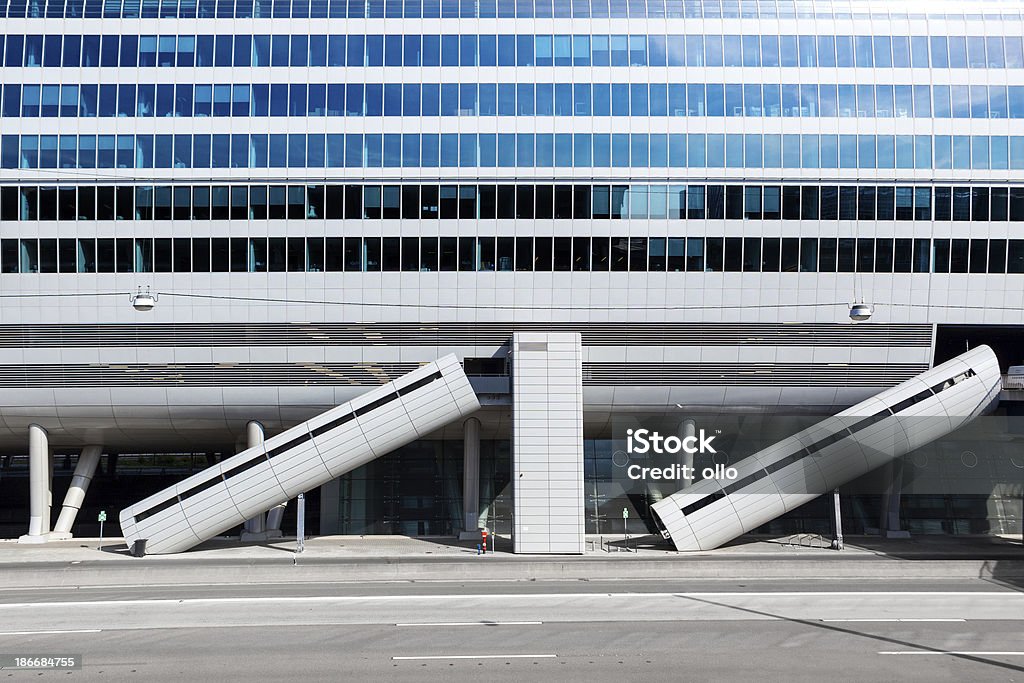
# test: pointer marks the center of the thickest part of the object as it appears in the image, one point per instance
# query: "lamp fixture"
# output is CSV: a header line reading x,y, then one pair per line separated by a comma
x,y
860,312
143,300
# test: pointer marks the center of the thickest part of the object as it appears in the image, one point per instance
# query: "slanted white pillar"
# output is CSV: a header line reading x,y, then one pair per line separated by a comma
x,y
40,483
470,478
274,517
84,471
254,529
889,524
687,428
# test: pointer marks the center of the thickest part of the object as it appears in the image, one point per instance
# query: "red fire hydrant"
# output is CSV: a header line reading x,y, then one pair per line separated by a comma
x,y
483,540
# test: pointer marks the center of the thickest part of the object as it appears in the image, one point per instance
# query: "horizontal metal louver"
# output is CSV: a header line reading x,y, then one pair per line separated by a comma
x,y
369,374
750,374
460,334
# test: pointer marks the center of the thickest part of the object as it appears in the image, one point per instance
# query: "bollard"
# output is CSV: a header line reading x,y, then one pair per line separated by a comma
x,y
477,548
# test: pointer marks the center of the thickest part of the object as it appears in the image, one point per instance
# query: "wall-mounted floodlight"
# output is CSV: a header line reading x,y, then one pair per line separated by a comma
x,y
860,312
143,300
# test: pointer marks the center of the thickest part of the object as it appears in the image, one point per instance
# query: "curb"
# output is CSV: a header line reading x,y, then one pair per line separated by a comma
x,y
86,575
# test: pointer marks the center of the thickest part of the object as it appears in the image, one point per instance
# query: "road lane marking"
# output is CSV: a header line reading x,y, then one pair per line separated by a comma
x,y
474,623
1009,595
546,656
47,633
954,652
938,621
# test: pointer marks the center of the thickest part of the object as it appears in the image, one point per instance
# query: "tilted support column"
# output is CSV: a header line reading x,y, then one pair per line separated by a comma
x,y
687,428
889,524
274,517
40,483
84,471
470,478
254,529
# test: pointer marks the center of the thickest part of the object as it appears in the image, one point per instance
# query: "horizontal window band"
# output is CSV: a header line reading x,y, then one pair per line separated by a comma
x,y
697,200
513,99
495,50
511,9
429,254
604,151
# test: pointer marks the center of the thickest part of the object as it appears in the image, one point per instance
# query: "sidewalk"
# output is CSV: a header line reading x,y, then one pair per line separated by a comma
x,y
395,558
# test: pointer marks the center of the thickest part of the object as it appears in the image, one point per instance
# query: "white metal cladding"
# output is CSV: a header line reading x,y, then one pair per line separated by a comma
x,y
547,443
833,452
301,458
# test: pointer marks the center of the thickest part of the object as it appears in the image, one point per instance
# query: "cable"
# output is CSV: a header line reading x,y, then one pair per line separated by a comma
x,y
319,302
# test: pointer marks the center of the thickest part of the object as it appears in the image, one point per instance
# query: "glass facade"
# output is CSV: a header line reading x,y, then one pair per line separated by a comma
x,y
655,100
712,150
1001,10
513,150
842,51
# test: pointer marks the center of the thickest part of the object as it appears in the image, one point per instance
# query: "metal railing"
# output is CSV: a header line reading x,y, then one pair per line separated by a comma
x,y
1013,382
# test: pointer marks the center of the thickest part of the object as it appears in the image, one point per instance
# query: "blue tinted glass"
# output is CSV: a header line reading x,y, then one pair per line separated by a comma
x,y
957,52
844,52
826,51
939,53
431,50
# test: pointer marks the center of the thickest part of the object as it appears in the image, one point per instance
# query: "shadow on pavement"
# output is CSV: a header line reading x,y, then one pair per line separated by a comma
x,y
853,632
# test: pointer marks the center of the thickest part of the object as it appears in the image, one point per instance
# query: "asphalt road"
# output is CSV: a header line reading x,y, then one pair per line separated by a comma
x,y
565,631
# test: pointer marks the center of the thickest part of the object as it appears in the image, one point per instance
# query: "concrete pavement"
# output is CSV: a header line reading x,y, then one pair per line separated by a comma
x,y
341,558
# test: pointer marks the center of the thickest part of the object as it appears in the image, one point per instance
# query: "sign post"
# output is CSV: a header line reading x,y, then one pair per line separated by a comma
x,y
300,525
625,527
837,513
102,518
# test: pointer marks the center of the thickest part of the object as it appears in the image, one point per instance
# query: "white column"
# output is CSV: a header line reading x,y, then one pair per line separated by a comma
x,y
254,529
470,477
39,482
84,471
547,443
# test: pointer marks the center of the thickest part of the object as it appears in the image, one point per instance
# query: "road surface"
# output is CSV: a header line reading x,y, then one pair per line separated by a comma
x,y
556,630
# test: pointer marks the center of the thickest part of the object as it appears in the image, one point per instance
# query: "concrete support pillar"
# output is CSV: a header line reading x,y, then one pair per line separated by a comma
x,y
687,428
84,471
254,529
470,477
40,482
